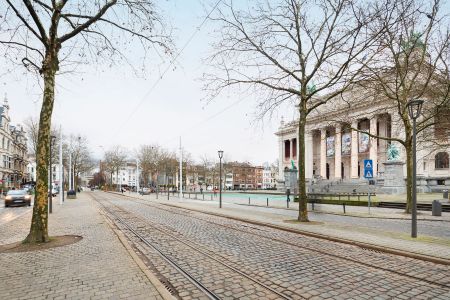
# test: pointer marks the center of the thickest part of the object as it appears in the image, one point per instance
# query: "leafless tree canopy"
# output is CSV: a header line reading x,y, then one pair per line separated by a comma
x,y
115,158
31,128
289,49
85,31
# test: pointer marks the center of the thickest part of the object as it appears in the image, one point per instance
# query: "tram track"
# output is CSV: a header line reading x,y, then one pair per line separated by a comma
x,y
192,247
177,210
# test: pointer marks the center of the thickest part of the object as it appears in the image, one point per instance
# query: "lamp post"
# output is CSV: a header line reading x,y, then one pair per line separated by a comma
x,y
50,194
414,109
220,152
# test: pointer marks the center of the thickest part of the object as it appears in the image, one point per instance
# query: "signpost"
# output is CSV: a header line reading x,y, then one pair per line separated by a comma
x,y
368,174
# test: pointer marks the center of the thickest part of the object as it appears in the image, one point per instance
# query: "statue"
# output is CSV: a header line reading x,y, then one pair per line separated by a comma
x,y
392,152
293,165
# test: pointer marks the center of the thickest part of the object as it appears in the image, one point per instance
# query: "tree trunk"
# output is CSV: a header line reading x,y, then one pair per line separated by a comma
x,y
39,222
302,196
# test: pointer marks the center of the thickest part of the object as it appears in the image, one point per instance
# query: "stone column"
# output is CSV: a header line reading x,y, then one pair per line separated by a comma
x,y
373,150
309,155
280,159
337,152
291,153
323,153
354,152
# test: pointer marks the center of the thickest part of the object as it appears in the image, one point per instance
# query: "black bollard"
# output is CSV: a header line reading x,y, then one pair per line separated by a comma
x,y
248,200
267,201
343,206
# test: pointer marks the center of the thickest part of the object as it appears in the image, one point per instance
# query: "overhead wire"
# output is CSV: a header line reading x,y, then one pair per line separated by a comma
x,y
169,66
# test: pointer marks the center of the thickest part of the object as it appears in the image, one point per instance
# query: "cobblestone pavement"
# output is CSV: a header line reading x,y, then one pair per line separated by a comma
x,y
335,226
97,267
297,266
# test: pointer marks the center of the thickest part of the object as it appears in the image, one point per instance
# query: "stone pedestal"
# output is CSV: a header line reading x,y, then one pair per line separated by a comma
x,y
290,181
394,180
280,185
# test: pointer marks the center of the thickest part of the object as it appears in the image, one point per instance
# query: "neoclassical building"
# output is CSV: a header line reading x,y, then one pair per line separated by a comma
x,y
13,150
336,152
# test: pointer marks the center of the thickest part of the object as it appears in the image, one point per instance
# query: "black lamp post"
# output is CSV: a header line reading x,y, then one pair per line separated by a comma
x,y
220,152
50,194
414,110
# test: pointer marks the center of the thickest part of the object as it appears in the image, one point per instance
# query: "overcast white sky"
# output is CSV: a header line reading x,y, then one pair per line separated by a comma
x,y
104,105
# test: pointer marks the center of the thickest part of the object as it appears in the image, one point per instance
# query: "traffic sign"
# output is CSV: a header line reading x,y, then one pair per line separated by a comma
x,y
368,174
368,168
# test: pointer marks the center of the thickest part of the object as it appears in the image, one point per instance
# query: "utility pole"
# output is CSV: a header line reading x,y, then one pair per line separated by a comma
x,y
70,167
61,168
137,175
181,171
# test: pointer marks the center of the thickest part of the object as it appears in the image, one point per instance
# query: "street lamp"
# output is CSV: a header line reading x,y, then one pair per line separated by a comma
x,y
220,152
50,194
414,109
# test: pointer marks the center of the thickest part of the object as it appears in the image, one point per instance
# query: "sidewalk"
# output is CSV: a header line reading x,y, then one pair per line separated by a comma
x,y
97,267
429,246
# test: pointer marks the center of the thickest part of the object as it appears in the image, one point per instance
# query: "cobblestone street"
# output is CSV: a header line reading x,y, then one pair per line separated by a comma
x,y
294,266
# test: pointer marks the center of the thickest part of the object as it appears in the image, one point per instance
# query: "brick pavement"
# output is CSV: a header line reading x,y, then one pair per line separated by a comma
x,y
424,245
97,267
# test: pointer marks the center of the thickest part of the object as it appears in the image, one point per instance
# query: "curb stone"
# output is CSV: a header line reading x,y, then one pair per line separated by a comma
x,y
164,293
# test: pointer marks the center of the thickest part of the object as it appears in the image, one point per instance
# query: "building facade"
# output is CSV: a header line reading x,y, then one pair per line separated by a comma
x,y
335,151
13,150
269,177
126,176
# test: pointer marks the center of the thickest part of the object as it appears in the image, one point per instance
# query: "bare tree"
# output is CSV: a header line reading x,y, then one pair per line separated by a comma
x,y
50,36
288,51
413,63
148,156
82,160
32,129
115,158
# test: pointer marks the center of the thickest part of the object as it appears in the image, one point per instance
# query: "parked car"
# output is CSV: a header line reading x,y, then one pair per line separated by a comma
x,y
145,191
17,197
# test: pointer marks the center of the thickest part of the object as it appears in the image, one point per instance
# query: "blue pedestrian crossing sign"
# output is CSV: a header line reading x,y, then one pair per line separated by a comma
x,y
368,168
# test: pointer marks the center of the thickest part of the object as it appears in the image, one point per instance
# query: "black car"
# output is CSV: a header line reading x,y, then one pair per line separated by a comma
x,y
17,197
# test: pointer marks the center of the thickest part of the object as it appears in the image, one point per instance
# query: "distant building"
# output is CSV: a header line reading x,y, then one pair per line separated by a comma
x,y
126,175
269,177
13,150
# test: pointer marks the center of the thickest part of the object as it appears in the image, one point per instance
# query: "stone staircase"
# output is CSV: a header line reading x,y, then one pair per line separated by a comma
x,y
341,186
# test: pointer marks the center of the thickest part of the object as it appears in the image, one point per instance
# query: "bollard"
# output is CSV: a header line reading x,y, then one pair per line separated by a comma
x,y
436,208
343,206
195,196
211,197
267,201
189,195
248,200
203,197
312,204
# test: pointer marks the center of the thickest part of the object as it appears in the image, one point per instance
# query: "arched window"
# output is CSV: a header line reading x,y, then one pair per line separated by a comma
x,y
441,160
